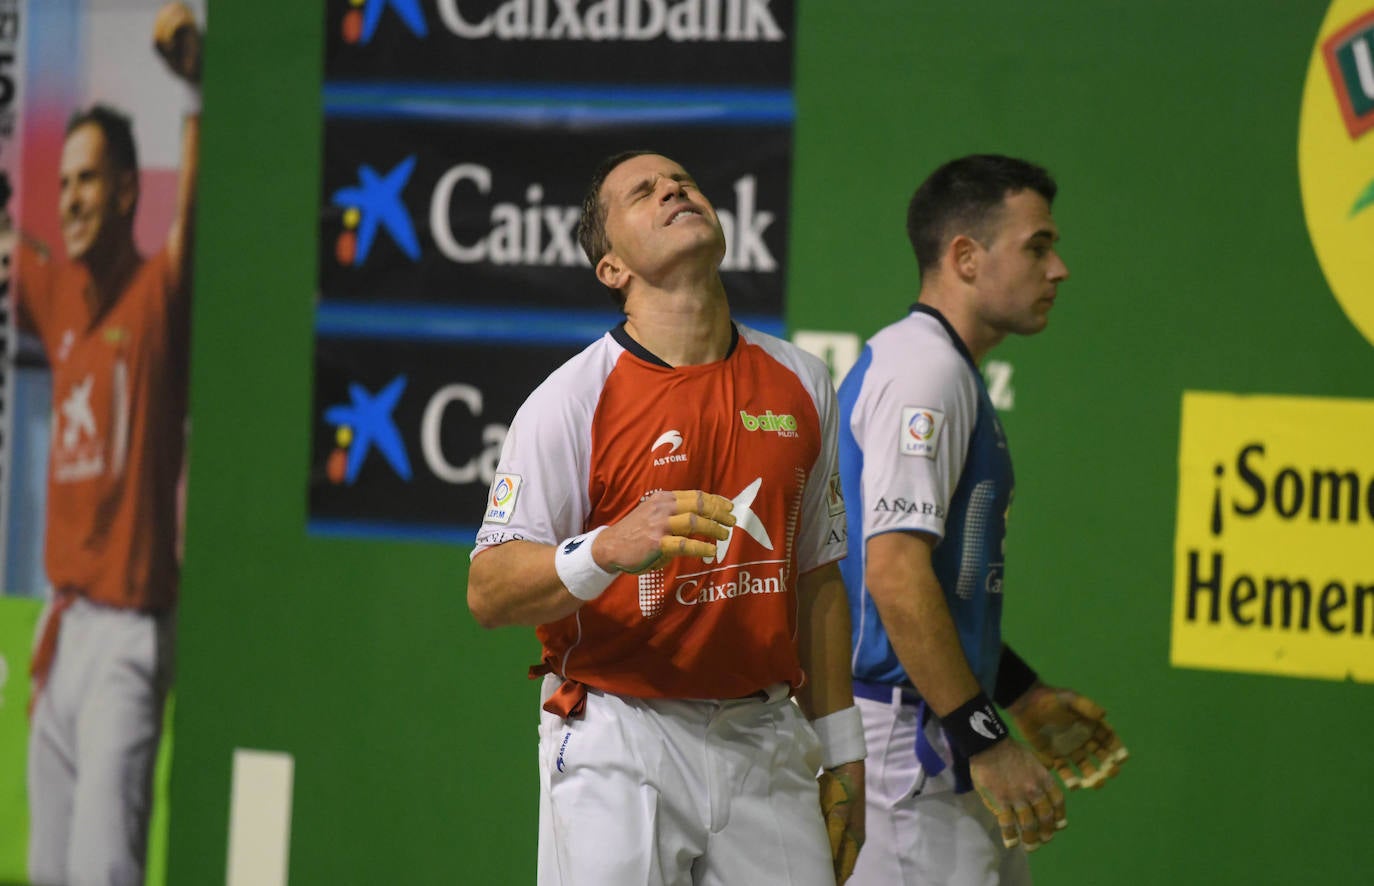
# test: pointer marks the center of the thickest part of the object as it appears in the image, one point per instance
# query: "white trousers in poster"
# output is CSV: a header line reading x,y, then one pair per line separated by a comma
x,y
921,833
669,792
92,745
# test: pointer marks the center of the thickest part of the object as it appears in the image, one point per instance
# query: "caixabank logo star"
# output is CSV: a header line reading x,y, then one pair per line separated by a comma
x,y
375,204
1336,156
360,22
363,424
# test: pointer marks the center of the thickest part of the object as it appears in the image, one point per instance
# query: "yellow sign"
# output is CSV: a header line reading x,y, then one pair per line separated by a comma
x,y
1274,551
1336,156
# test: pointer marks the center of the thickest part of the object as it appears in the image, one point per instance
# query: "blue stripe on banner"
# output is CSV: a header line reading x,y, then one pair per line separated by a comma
x,y
392,530
550,93
416,322
413,322
545,104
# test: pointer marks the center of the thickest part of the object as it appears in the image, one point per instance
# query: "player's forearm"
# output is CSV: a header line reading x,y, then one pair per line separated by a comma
x,y
181,235
912,606
179,41
516,583
824,642
521,582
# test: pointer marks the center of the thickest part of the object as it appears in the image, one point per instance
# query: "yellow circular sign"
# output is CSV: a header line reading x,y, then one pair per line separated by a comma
x,y
1336,156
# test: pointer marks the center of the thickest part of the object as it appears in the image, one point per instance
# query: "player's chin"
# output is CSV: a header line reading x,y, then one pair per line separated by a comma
x,y
77,247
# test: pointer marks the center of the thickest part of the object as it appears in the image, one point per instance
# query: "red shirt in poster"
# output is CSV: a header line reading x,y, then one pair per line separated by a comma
x,y
118,427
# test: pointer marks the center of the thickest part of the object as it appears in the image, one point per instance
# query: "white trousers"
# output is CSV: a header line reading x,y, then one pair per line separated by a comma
x,y
921,833
92,745
668,792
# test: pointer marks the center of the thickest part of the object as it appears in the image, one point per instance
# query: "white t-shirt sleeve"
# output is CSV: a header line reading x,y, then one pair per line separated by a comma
x,y
913,420
821,535
539,493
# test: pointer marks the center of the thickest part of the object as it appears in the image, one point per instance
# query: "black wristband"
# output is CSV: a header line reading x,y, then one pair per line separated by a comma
x,y
1014,677
974,726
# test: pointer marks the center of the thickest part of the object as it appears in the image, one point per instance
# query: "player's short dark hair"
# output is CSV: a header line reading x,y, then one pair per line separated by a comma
x,y
965,196
591,227
118,130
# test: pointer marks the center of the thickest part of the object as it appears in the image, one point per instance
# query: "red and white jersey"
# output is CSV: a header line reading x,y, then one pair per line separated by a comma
x,y
615,424
118,429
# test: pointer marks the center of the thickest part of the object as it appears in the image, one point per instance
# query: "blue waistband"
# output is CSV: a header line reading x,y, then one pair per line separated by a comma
x,y
930,758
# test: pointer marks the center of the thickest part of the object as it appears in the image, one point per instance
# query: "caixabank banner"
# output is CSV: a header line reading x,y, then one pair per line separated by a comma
x,y
459,139
411,431
481,213
692,42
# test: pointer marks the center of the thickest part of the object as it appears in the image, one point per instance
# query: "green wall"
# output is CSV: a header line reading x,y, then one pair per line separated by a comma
x,y
412,758
1172,128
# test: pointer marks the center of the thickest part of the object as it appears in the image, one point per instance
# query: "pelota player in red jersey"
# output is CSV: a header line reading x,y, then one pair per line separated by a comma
x,y
665,513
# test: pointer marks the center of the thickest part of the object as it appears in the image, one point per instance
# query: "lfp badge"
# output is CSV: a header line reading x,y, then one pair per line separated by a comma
x,y
501,502
920,430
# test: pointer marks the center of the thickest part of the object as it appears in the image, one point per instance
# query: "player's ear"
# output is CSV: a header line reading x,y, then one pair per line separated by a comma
x,y
611,271
962,256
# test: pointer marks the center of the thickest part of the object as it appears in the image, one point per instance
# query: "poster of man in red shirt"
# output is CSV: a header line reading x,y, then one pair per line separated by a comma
x,y
104,308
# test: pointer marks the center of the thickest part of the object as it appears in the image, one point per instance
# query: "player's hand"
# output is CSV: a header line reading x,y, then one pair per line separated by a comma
x,y
1021,792
177,39
686,523
842,808
1070,734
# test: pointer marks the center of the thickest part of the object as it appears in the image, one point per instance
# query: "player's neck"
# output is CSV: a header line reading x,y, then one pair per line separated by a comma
x,y
958,308
686,327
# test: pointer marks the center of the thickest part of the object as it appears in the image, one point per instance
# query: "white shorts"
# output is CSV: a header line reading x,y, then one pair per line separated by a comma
x,y
920,832
662,792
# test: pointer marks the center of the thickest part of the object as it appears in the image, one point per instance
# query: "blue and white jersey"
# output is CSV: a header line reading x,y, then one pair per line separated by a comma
x,y
921,449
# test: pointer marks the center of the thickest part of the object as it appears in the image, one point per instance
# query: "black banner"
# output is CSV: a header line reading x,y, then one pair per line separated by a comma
x,y
484,212
407,433
459,139
739,42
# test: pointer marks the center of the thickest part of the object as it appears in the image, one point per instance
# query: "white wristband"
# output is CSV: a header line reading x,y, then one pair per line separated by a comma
x,y
842,737
576,568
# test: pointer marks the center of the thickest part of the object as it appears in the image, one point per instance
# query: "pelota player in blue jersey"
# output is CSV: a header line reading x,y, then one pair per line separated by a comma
x,y
927,473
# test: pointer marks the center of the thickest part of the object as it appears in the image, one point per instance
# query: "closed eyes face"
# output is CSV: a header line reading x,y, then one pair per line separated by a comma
x,y
656,215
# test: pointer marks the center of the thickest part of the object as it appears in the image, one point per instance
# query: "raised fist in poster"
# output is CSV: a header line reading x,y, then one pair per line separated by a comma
x,y
178,40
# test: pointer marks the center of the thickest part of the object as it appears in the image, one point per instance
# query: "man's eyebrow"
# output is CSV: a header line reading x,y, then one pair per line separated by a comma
x,y
1045,234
